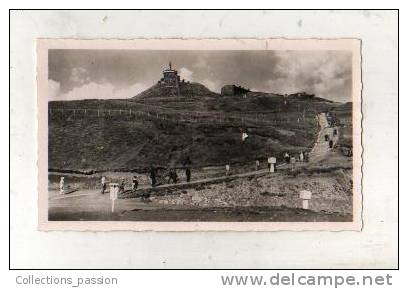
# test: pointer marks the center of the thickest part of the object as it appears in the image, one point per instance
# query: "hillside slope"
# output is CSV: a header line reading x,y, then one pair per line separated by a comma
x,y
187,89
153,129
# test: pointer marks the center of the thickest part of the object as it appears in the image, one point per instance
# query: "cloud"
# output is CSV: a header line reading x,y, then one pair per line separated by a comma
x,y
54,89
201,62
326,74
79,76
84,88
94,90
186,74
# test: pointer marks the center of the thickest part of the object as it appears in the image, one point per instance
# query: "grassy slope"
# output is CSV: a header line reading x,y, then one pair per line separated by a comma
x,y
344,115
86,142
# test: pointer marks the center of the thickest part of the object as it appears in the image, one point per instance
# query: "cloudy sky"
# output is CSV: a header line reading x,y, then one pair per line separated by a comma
x,y
83,74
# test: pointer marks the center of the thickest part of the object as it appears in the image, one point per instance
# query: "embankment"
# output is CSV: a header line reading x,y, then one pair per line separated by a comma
x,y
331,192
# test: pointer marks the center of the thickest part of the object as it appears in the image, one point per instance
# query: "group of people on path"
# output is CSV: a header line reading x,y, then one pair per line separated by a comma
x,y
172,176
332,121
329,139
121,185
303,157
331,118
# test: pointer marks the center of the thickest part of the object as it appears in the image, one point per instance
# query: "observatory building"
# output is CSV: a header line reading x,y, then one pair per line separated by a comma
x,y
170,76
171,80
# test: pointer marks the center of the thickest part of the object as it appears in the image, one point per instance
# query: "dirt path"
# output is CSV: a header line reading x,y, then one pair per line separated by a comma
x,y
54,195
321,148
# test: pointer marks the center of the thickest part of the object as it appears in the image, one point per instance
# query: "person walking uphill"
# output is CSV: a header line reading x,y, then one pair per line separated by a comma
x,y
172,176
187,163
135,183
153,177
188,175
306,156
122,185
103,184
287,157
331,144
227,169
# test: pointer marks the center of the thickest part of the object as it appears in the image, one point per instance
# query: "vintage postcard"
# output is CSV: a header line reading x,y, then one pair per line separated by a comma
x,y
199,134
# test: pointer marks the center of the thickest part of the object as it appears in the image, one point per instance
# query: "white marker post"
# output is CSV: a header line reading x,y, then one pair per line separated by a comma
x,y
293,162
305,196
113,194
244,136
271,162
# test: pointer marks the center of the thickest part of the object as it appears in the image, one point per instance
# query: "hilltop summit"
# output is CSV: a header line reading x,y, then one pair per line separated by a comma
x,y
171,85
185,89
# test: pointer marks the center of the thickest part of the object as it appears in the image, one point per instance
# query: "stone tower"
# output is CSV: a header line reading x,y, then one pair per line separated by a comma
x,y
171,80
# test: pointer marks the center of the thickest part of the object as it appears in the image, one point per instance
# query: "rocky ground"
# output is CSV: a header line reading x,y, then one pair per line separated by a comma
x,y
332,192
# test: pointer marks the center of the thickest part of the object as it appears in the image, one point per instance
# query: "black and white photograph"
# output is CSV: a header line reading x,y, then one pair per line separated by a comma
x,y
201,135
